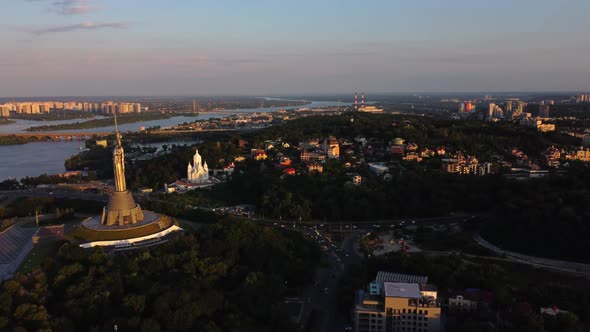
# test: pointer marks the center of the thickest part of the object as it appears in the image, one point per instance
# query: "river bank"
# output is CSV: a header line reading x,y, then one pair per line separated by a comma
x,y
6,121
97,123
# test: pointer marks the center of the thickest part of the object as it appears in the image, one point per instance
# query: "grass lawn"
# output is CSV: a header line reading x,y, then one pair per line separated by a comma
x,y
42,250
51,222
85,234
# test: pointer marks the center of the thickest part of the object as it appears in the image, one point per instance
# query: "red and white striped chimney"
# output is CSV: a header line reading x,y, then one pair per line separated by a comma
x,y
362,99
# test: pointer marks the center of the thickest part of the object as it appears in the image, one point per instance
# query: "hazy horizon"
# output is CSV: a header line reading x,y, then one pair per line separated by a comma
x,y
349,95
269,48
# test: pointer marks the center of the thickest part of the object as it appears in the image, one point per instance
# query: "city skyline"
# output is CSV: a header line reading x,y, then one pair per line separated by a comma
x,y
102,48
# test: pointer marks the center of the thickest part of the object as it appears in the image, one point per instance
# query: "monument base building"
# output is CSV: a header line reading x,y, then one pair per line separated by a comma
x,y
121,210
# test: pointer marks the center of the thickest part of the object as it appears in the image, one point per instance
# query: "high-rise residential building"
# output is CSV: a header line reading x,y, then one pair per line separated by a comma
x,y
461,107
35,108
491,109
519,108
544,111
108,107
4,110
44,108
508,106
495,112
398,302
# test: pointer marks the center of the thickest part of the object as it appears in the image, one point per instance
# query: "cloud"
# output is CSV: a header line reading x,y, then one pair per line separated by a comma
x,y
74,27
69,7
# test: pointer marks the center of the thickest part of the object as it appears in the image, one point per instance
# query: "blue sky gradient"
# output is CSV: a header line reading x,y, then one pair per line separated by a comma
x,y
185,47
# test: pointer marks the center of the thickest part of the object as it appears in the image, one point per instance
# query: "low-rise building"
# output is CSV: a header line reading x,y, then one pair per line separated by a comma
x,y
468,300
315,168
465,166
259,154
426,153
357,179
411,147
370,109
552,156
583,154
538,124
312,156
310,143
412,156
331,147
285,161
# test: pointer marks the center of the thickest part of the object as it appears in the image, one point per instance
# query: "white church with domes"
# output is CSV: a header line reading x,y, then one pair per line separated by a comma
x,y
198,172
197,176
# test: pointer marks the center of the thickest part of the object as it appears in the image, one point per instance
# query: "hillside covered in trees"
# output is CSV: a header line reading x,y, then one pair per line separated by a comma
x,y
533,210
231,276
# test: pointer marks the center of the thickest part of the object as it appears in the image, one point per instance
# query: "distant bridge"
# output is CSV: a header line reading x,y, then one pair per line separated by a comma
x,y
54,135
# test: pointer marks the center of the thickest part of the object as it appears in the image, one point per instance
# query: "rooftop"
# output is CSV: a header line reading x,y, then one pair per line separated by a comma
x,y
400,289
400,278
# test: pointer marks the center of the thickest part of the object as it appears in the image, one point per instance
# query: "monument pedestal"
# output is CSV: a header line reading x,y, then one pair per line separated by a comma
x,y
121,210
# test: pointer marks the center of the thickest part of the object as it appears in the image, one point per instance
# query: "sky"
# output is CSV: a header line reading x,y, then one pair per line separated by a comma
x,y
260,47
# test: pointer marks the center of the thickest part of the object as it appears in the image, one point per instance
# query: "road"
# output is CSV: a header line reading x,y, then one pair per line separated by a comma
x,y
564,266
345,226
320,299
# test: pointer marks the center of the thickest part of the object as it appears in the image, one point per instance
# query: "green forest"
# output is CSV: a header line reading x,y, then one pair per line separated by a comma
x,y
231,276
